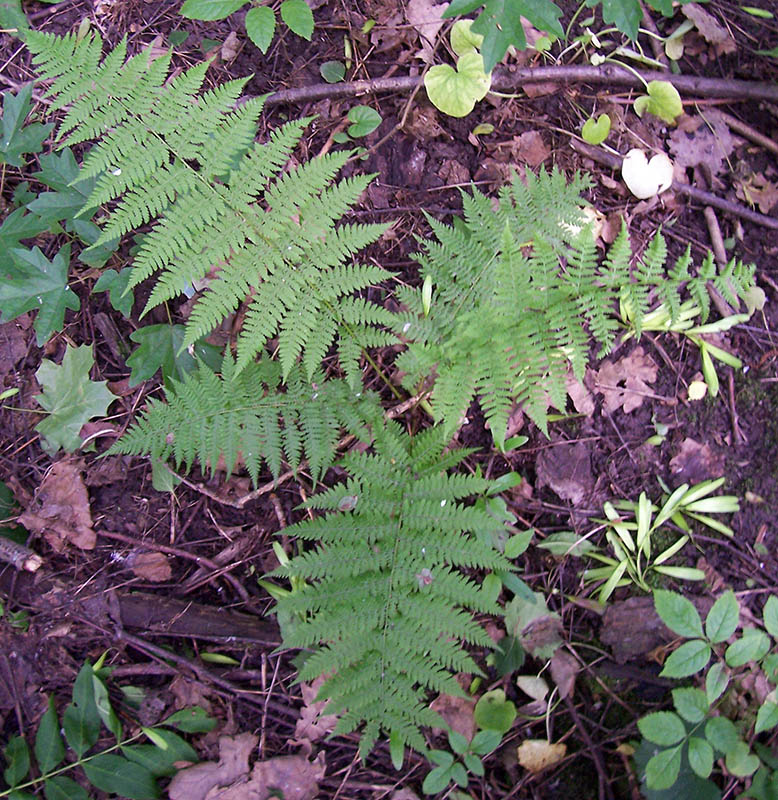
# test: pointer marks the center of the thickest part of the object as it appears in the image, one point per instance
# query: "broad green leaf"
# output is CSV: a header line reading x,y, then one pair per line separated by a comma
x,y
678,613
298,17
161,763
691,704
770,667
474,764
518,543
662,727
721,733
39,284
81,722
485,741
462,38
716,681
210,9
457,742
752,646
70,397
723,617
94,255
333,71
61,787
624,14
364,120
437,780
596,131
49,747
688,659
115,283
741,761
17,758
494,712
508,656
770,616
117,775
18,138
59,171
12,18
766,717
456,91
261,26
662,770
662,101
160,347
700,756
16,226
537,628
191,720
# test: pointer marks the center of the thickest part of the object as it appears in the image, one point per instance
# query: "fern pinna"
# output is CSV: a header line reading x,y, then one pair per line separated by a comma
x,y
225,212
384,603
520,293
248,417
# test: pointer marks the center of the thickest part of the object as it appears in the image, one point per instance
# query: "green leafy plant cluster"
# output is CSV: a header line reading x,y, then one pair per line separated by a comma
x,y
705,723
127,768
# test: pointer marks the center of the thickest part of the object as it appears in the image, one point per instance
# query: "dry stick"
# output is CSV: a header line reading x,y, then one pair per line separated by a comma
x,y
706,198
749,133
605,792
506,80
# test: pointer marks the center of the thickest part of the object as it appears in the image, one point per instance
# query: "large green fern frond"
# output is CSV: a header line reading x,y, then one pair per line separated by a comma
x,y
385,603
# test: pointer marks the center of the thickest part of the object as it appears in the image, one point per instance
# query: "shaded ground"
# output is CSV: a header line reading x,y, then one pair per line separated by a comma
x,y
420,167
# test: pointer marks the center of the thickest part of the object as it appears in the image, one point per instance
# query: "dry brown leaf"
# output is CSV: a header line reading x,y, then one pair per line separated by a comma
x,y
313,724
709,27
189,693
539,754
152,567
458,712
564,668
13,347
426,17
705,141
529,148
290,777
230,48
60,510
634,371
580,395
197,782
757,190
696,462
566,467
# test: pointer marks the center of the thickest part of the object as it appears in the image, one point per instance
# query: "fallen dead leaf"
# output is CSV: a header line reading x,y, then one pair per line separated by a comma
x,y
458,712
533,685
757,190
313,724
189,693
13,347
530,149
635,371
696,462
702,141
564,668
536,755
60,510
404,794
426,17
152,567
580,395
566,467
290,777
230,48
710,29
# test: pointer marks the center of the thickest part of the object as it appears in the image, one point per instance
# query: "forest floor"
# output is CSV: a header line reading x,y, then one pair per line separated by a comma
x,y
214,545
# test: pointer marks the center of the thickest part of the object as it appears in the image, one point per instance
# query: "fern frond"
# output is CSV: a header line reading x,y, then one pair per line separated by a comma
x,y
385,602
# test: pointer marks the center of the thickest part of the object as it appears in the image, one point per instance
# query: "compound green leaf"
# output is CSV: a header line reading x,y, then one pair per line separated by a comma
x,y
18,138
17,756
456,91
49,747
624,14
71,399
769,613
752,646
298,16
210,9
261,26
723,617
691,704
662,727
160,348
662,770
63,788
115,283
117,775
688,659
700,756
42,285
678,613
81,721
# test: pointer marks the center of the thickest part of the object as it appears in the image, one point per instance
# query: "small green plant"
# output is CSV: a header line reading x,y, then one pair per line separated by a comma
x,y
632,530
127,768
260,18
450,770
701,727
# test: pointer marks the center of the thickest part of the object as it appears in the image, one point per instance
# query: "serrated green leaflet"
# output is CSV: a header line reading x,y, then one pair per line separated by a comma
x,y
49,747
210,9
70,398
662,770
700,756
663,728
687,660
690,703
678,613
751,646
723,617
260,26
298,16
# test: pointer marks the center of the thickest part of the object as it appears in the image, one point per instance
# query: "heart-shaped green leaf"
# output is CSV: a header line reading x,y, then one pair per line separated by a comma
x,y
456,91
463,40
596,131
662,100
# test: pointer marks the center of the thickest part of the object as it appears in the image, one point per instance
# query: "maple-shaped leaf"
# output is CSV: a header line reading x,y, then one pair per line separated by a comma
x,y
16,226
624,14
160,347
71,399
17,137
59,171
115,283
37,283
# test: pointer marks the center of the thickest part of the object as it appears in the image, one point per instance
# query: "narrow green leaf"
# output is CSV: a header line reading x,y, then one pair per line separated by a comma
x,y
700,756
298,17
716,681
688,659
396,750
770,616
61,787
117,775
191,720
161,762
49,747
723,618
678,613
81,721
